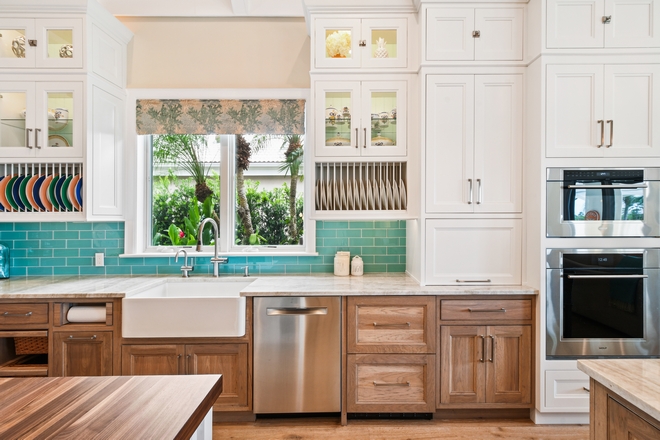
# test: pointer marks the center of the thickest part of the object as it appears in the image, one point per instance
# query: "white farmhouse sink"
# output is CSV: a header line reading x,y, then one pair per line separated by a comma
x,y
186,308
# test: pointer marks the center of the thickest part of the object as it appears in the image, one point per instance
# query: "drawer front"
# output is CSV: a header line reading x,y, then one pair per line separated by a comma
x,y
567,389
23,314
398,383
391,325
485,310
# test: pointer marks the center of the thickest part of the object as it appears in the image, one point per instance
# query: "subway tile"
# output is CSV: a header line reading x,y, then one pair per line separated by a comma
x,y
6,227
368,259
27,226
21,253
29,244
107,226
111,261
79,261
238,260
53,226
114,252
396,267
118,270
66,270
331,233
55,262
69,235
25,262
355,250
386,224
98,235
115,234
374,250
158,261
18,271
78,226
402,259
78,244
361,241
336,242
402,241
387,259
328,259
374,232
351,233
361,225
275,268
310,260
285,260
88,252
260,260
102,244
39,271
168,270
85,235
13,235
143,270
395,232
298,268
335,225
394,250
374,268
92,270
387,241
40,235
131,261
322,268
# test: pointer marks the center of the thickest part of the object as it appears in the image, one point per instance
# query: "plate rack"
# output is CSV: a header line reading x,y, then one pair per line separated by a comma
x,y
41,188
361,186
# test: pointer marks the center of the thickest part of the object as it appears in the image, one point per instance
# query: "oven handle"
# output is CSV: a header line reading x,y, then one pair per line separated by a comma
x,y
605,276
633,186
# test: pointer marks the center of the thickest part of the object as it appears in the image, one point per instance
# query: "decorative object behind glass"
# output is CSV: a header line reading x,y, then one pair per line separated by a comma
x,y
338,44
381,49
66,51
18,46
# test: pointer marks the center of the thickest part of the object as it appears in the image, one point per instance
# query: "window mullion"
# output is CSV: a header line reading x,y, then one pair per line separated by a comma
x,y
227,191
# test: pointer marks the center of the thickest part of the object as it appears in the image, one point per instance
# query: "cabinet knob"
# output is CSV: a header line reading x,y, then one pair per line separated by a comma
x,y
32,43
476,34
362,43
607,19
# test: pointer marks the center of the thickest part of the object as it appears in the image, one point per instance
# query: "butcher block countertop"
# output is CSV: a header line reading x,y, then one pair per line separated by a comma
x,y
111,407
275,285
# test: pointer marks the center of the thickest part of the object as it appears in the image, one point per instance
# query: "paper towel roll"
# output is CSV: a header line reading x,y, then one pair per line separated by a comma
x,y
86,314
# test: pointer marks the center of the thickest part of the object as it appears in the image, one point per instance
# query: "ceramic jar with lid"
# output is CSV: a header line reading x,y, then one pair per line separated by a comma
x,y
357,266
342,263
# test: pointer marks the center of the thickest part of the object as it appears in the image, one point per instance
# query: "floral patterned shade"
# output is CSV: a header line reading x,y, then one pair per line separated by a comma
x,y
224,116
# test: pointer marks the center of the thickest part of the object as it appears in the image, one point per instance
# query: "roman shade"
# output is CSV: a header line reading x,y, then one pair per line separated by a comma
x,y
220,116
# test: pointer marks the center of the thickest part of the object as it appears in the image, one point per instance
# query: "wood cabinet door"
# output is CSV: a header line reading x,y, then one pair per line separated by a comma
x,y
634,23
575,24
230,360
501,34
449,34
498,134
509,364
462,370
138,360
623,424
82,353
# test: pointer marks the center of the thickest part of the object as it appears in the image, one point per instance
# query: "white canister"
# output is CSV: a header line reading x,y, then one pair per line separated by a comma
x,y
342,263
357,266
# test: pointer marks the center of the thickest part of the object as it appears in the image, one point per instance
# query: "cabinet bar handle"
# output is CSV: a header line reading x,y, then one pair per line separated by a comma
x,y
633,186
391,384
71,338
28,131
365,138
357,141
17,314
602,133
473,281
492,348
36,137
483,347
586,389
407,324
296,311
469,194
479,192
596,277
502,310
611,122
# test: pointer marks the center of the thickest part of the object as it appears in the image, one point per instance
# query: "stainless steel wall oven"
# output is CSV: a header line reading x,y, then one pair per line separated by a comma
x,y
602,303
612,202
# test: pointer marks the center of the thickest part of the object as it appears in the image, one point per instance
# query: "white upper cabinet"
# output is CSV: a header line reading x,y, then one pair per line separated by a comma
x,y
603,24
480,34
341,43
474,143
41,43
603,110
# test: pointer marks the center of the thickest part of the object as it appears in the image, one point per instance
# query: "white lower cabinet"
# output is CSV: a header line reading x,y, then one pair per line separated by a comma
x,y
566,390
473,251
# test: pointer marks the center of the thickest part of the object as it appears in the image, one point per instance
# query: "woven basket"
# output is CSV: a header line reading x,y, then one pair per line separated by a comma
x,y
31,345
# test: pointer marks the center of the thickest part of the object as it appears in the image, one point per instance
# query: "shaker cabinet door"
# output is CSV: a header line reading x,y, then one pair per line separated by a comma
x,y
82,353
575,24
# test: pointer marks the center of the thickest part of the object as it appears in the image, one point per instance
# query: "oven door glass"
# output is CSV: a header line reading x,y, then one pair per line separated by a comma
x,y
588,201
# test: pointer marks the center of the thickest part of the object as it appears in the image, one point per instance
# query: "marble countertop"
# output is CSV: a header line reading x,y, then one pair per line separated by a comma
x,y
636,380
276,285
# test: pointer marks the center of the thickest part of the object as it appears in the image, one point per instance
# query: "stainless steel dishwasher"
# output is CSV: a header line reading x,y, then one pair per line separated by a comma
x,y
297,355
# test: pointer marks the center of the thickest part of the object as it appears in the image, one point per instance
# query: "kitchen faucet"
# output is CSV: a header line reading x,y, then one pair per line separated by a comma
x,y
216,260
185,268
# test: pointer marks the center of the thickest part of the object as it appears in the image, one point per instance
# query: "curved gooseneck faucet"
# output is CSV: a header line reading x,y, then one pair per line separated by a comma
x,y
216,260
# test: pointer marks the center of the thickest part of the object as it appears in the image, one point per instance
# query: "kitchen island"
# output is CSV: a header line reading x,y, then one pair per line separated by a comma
x,y
624,398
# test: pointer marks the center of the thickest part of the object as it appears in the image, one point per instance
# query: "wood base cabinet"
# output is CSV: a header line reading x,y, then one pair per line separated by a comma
x,y
82,353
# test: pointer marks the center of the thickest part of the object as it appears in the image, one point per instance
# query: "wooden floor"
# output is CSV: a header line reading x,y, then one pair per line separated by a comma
x,y
303,429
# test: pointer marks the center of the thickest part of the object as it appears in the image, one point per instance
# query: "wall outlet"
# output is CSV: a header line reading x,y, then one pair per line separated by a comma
x,y
98,259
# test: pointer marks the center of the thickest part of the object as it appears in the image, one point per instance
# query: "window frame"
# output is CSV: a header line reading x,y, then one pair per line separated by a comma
x,y
137,243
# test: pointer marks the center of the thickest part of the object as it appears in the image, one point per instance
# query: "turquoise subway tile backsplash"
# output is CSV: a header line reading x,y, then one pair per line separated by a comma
x,y
49,248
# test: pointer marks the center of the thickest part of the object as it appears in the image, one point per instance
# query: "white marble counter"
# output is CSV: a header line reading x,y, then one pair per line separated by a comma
x,y
636,380
276,285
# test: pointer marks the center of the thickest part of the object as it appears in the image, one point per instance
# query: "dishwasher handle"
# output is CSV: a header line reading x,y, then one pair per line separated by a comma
x,y
279,311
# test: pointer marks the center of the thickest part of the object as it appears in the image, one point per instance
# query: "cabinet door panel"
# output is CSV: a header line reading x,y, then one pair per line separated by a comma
x,y
326,27
82,354
498,143
52,35
635,23
574,107
55,95
462,364
501,34
138,360
623,424
449,143
575,23
15,29
632,101
382,98
449,34
395,33
334,136
509,364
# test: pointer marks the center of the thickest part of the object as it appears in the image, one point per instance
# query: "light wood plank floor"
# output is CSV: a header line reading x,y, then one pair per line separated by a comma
x,y
304,429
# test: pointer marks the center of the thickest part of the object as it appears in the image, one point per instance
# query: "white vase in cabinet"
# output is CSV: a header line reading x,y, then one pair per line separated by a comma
x,y
41,119
469,252
603,24
41,43
360,118
480,34
473,154
600,110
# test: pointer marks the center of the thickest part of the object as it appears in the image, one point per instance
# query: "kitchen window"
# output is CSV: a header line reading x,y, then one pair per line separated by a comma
x,y
245,180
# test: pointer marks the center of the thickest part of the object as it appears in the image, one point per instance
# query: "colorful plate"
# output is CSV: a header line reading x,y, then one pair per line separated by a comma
x,y
55,141
14,192
3,198
43,193
64,191
51,193
71,193
58,192
22,192
29,186
79,193
36,192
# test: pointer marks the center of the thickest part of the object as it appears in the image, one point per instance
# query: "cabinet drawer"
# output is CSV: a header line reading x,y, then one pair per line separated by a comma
x,y
23,314
485,310
398,383
391,325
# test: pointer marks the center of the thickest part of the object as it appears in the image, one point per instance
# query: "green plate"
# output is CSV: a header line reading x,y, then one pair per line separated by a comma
x,y
8,193
65,193
51,193
23,194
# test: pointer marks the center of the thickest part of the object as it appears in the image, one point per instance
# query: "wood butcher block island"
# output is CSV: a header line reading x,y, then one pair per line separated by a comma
x,y
114,407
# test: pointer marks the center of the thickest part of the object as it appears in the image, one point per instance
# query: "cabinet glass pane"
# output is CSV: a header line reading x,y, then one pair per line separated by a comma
x,y
383,43
338,43
60,119
60,43
12,43
383,118
337,118
12,119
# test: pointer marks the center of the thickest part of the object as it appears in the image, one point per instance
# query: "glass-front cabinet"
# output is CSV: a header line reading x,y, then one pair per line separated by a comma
x,y
360,118
361,43
42,43
41,119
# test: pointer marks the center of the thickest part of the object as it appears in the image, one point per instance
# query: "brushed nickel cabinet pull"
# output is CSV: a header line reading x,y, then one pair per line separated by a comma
x,y
391,384
634,186
602,132
492,348
479,192
283,311
502,310
595,277
356,139
407,324
17,314
476,34
607,19
469,194
473,281
483,347
363,43
365,138
71,338
28,131
36,137
32,43
611,122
